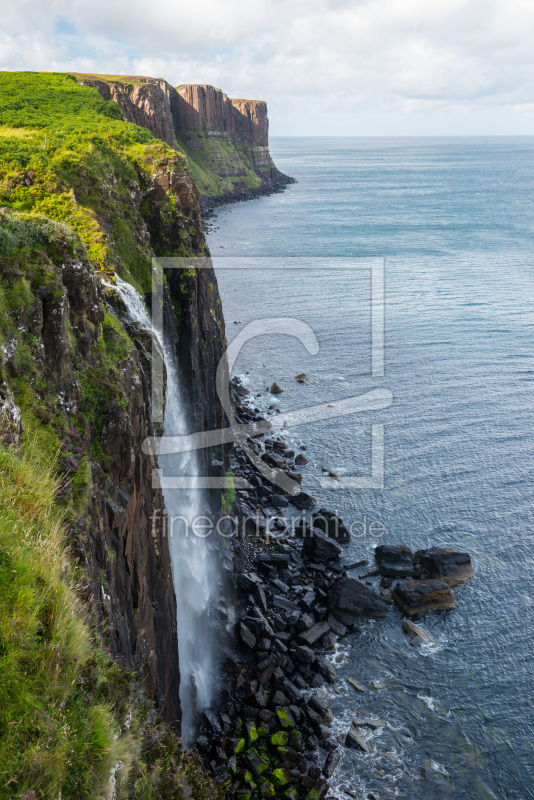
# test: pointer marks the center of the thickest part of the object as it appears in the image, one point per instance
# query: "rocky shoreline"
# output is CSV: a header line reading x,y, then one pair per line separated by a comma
x,y
210,204
271,733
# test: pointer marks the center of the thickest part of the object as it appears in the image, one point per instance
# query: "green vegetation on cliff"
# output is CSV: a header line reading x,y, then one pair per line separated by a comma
x,y
65,153
81,192
220,165
70,714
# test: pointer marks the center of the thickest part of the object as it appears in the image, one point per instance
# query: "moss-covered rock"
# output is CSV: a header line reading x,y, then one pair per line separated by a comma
x,y
279,739
285,717
279,777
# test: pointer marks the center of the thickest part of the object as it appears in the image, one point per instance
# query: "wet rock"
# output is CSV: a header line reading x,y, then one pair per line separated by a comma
x,y
332,760
356,685
318,704
329,641
356,741
301,377
338,628
279,699
211,719
417,633
304,654
303,500
265,670
282,603
279,778
280,585
320,549
445,563
278,501
394,561
274,559
350,596
301,460
257,764
274,461
325,668
247,637
292,691
330,524
251,584
416,597
362,722
276,388
266,716
312,635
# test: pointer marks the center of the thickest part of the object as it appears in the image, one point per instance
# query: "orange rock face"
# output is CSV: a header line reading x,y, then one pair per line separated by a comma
x,y
204,108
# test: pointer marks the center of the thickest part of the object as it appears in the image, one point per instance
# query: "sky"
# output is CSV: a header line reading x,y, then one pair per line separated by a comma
x,y
325,67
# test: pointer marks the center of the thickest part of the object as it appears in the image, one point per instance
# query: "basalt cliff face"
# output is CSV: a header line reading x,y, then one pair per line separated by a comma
x,y
226,141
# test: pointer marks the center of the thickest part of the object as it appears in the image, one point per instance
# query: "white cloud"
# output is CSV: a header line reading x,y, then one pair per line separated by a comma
x,y
331,66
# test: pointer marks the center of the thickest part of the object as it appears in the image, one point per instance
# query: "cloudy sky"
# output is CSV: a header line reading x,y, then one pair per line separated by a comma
x,y
325,67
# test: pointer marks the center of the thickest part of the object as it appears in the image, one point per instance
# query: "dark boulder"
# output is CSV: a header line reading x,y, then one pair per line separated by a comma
x,y
394,561
330,524
325,669
352,597
332,760
303,500
445,563
278,501
356,741
416,597
310,637
247,637
320,549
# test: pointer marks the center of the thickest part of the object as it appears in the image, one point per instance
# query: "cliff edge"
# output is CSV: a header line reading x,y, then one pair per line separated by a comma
x,y
226,141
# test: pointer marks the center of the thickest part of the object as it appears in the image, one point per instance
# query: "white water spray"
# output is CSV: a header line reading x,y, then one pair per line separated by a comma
x,y
194,562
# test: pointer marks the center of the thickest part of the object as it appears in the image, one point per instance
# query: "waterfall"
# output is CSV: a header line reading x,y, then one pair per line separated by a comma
x,y
194,560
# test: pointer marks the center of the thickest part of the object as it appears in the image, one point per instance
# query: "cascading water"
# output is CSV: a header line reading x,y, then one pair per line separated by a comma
x,y
194,563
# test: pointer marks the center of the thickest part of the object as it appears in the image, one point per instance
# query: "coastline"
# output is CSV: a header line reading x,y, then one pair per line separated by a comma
x,y
273,731
210,204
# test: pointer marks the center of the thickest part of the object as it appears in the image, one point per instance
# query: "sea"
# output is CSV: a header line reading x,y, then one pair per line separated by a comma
x,y
447,224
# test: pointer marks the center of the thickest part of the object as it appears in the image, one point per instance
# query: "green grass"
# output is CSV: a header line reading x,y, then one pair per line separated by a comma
x,y
64,699
209,155
66,154
54,729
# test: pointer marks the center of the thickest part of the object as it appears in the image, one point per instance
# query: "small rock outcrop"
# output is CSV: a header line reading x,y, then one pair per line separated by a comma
x,y
445,563
320,548
394,561
417,597
418,635
351,598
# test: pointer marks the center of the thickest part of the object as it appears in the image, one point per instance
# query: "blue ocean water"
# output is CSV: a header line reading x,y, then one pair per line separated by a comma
x,y
454,220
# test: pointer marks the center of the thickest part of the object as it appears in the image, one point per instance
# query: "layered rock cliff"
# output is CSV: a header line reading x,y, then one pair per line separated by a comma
x,y
226,141
148,102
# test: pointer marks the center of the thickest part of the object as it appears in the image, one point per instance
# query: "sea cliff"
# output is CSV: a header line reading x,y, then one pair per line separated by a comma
x,y
226,141
85,195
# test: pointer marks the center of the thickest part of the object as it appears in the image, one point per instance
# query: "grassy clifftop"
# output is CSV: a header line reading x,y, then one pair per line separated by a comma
x,y
65,153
